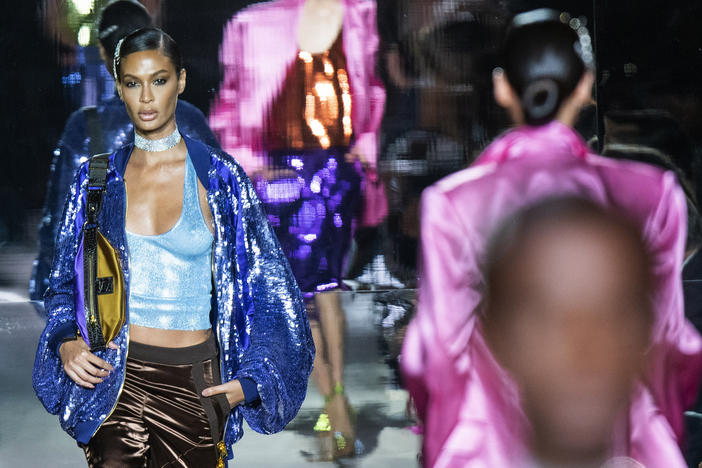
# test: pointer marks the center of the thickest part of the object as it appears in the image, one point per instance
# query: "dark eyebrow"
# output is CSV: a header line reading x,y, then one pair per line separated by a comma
x,y
163,70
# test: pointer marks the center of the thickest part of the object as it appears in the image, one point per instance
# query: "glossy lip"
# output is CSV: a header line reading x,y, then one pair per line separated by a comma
x,y
148,115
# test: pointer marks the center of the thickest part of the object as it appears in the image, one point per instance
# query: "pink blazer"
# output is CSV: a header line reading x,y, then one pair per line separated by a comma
x,y
468,403
258,46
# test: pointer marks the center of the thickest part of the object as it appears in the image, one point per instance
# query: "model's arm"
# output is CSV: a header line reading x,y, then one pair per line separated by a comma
x,y
366,145
280,352
436,340
49,378
63,167
225,115
676,356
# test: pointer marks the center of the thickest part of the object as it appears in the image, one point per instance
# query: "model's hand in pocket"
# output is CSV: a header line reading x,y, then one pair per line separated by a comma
x,y
232,390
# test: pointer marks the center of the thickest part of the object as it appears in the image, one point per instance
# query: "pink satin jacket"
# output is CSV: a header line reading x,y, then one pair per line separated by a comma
x,y
258,46
468,403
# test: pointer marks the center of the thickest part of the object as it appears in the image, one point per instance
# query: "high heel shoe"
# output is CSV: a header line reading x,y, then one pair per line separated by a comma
x,y
342,420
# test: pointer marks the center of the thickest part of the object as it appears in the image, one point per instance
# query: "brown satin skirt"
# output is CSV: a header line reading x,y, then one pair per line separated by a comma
x,y
161,418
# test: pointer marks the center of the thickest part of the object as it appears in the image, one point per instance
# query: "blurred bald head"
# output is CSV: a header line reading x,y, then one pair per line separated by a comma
x,y
568,313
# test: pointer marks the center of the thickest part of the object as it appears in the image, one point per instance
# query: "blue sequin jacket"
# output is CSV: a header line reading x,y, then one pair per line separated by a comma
x,y
258,313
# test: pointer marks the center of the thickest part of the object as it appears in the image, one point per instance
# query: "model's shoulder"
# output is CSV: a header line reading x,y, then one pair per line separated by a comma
x,y
76,121
363,5
80,176
109,104
229,173
626,168
224,161
74,135
222,157
465,178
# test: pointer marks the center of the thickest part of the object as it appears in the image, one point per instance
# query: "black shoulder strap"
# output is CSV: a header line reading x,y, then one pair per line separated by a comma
x,y
94,130
97,178
97,168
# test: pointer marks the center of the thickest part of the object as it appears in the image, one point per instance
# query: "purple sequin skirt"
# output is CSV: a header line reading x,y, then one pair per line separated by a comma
x,y
311,203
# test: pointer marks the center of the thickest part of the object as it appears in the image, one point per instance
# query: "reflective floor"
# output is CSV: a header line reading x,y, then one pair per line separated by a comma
x,y
30,437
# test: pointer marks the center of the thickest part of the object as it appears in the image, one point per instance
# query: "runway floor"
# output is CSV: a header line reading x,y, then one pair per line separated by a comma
x,y
30,437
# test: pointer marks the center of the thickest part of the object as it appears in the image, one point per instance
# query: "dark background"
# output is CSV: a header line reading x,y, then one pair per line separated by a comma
x,y
649,56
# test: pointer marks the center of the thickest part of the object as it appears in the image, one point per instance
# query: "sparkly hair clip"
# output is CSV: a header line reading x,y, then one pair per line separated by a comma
x,y
584,45
116,58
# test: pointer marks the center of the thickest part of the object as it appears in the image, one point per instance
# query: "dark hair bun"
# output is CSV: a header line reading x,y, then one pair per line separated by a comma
x,y
540,101
542,62
119,19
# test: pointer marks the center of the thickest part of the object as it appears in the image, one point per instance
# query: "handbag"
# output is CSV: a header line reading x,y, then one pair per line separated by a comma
x,y
104,299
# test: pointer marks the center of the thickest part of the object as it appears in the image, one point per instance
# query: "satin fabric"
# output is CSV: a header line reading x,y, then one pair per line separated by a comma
x,y
161,418
258,46
468,403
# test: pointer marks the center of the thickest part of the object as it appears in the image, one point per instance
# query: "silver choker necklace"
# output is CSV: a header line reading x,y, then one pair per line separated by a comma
x,y
154,146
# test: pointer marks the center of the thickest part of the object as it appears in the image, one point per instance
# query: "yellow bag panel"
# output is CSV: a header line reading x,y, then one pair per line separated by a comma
x,y
112,307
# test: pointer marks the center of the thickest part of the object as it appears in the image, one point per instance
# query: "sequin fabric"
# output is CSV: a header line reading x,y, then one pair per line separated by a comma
x,y
171,272
313,195
260,320
73,149
312,210
313,107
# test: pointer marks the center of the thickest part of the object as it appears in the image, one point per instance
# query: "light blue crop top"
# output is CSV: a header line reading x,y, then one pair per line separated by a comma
x,y
170,284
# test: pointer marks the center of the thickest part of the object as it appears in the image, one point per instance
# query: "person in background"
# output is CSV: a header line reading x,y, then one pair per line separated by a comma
x,y
98,129
215,328
469,405
300,107
567,313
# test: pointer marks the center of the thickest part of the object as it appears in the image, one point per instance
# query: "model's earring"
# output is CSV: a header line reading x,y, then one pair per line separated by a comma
x,y
181,81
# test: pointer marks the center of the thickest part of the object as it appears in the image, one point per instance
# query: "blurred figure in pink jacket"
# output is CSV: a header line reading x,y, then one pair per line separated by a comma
x,y
259,45
468,403
563,278
300,108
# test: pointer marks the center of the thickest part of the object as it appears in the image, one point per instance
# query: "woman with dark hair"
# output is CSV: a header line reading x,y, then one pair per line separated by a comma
x,y
98,129
544,63
470,406
216,328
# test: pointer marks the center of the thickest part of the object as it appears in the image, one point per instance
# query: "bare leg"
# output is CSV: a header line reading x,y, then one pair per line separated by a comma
x,y
333,322
321,374
321,371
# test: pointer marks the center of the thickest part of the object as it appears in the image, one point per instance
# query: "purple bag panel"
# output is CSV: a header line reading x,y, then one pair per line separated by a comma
x,y
79,293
